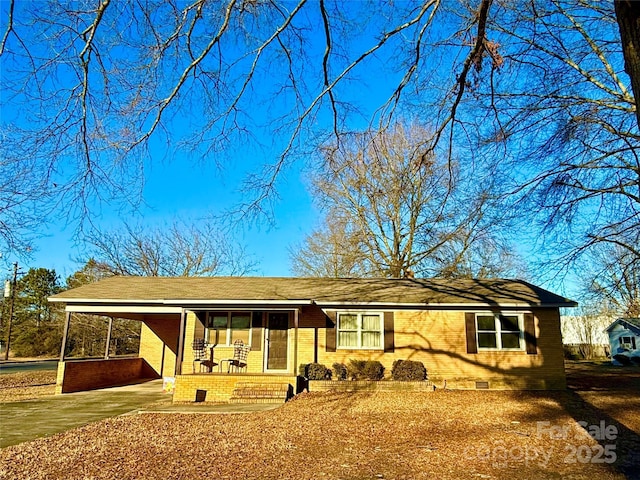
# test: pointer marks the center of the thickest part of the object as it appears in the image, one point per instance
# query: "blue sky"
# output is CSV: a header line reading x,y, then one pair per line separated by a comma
x,y
188,185
177,185
181,190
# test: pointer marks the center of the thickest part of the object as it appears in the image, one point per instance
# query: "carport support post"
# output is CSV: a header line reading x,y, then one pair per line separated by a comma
x,y
180,353
65,334
106,348
296,321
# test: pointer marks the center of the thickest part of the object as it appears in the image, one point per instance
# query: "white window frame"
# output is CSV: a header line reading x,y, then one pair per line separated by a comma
x,y
498,332
359,314
626,345
229,314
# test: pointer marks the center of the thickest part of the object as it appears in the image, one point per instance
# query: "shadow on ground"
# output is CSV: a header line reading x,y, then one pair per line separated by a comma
x,y
601,394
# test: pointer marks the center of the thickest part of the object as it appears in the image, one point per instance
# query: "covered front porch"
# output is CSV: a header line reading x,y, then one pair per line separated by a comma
x,y
270,333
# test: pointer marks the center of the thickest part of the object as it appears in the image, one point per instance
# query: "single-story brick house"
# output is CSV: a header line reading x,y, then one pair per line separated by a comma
x,y
472,333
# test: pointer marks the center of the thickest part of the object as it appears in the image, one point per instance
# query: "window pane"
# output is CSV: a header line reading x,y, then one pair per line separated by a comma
x,y
371,322
348,322
486,322
509,323
217,333
240,325
240,335
220,321
510,340
240,321
371,339
348,339
217,336
487,340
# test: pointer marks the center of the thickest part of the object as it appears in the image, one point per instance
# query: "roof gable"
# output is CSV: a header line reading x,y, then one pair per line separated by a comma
x,y
322,291
632,324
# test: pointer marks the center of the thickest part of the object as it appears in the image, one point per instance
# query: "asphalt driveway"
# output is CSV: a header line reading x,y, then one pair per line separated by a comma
x,y
30,419
26,366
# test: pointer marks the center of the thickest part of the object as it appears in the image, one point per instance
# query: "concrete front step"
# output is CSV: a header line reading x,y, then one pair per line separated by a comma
x,y
251,392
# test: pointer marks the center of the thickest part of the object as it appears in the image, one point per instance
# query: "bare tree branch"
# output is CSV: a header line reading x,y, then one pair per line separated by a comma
x,y
9,29
175,250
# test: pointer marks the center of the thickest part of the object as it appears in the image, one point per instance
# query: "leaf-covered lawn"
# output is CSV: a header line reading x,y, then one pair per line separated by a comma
x,y
445,434
26,385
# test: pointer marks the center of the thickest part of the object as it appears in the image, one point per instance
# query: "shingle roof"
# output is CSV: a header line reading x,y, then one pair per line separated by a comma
x,y
629,323
323,291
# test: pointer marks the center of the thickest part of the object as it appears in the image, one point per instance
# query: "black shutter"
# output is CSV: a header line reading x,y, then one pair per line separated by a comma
x,y
633,342
256,331
389,339
530,334
331,327
470,327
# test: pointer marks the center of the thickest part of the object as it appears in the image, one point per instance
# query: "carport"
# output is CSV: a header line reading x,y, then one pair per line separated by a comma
x,y
159,355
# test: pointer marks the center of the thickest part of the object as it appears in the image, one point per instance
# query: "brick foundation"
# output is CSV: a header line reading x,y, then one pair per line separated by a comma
x,y
219,388
363,385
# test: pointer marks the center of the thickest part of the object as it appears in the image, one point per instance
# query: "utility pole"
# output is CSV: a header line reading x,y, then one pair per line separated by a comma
x,y
11,302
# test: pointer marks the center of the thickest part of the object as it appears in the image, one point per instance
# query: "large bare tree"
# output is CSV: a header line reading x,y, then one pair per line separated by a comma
x,y
179,249
331,250
392,211
91,88
611,277
628,18
564,125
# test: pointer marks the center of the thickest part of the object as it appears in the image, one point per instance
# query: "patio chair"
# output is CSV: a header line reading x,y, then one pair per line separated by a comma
x,y
239,360
200,356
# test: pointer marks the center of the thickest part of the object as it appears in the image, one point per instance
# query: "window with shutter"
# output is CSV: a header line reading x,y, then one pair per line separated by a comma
x,y
499,331
360,330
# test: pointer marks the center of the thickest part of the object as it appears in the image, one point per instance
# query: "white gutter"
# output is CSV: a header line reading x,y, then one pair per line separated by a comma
x,y
286,302
122,309
171,301
239,302
444,305
104,300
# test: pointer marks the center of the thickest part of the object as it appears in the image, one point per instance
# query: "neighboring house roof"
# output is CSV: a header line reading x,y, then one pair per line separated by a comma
x,y
632,324
323,291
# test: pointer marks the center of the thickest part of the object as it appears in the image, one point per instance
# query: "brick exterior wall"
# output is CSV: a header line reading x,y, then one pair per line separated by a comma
x,y
219,387
159,342
363,385
437,338
81,375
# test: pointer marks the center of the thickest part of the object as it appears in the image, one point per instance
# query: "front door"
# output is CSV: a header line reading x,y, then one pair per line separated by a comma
x,y
277,340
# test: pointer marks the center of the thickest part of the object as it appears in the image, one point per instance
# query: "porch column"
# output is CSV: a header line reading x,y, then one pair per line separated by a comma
x,y
296,319
67,321
106,348
180,352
